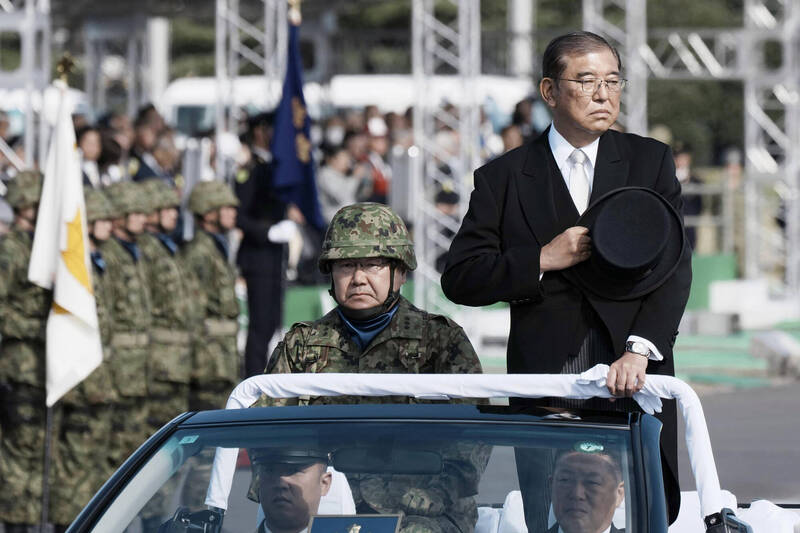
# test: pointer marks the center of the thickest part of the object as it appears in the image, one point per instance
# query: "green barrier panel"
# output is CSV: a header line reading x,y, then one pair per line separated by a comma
x,y
706,269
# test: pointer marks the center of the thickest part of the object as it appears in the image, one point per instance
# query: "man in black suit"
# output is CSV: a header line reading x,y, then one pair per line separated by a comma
x,y
586,489
267,224
519,237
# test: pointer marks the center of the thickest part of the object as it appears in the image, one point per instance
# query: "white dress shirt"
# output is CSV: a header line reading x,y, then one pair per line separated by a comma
x,y
562,149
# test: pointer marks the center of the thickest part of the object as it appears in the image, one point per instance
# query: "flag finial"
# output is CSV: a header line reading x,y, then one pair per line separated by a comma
x,y
294,12
65,66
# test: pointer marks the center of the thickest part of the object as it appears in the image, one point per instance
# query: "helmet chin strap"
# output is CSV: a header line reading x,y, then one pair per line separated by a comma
x,y
370,312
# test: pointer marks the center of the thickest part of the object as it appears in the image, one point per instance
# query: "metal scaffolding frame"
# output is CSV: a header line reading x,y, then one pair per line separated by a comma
x,y
121,37
269,31
629,40
441,46
30,20
772,110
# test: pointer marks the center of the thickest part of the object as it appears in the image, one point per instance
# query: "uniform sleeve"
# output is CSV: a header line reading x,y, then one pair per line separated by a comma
x,y
662,309
13,322
454,351
479,271
284,360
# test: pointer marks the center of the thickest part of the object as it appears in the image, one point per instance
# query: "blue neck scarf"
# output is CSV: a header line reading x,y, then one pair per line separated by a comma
x,y
221,242
168,243
132,249
363,331
99,262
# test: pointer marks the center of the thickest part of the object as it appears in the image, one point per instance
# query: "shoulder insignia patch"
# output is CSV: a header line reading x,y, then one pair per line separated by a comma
x,y
133,166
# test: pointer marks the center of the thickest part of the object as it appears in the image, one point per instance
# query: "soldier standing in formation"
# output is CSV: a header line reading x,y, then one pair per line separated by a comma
x,y
129,296
174,307
215,365
23,316
368,252
85,413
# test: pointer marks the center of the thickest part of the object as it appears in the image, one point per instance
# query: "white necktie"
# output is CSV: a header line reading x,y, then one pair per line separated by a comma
x,y
579,180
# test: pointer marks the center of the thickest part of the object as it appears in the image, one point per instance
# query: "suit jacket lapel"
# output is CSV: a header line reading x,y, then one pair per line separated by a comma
x,y
610,170
543,195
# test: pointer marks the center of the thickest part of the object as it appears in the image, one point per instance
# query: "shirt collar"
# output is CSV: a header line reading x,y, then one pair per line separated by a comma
x,y
607,530
562,149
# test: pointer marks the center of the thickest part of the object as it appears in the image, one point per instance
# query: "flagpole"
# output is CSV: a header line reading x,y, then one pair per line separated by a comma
x,y
64,67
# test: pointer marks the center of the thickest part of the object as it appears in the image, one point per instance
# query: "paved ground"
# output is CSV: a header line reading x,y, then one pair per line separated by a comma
x,y
755,433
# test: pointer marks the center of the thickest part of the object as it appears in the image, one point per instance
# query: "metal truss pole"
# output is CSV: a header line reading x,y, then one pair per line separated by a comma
x,y
128,38
30,20
629,41
269,31
442,47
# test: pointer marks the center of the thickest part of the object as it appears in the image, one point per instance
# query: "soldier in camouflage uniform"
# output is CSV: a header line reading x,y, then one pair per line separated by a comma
x,y
215,365
23,315
80,465
175,307
129,342
368,252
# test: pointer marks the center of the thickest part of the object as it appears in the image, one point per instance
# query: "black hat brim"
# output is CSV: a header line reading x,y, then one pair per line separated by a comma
x,y
600,283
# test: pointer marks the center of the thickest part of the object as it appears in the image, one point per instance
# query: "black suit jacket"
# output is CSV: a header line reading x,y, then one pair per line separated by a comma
x,y
259,208
520,203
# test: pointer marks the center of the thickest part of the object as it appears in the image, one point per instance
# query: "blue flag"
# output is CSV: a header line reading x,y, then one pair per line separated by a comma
x,y
294,177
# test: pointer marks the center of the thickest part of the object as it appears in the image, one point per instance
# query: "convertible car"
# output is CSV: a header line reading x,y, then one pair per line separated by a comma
x,y
455,460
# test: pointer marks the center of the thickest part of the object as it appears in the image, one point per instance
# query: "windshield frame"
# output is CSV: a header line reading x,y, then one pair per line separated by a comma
x,y
641,437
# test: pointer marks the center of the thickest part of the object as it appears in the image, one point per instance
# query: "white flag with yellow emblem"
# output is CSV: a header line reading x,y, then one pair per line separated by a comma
x,y
60,261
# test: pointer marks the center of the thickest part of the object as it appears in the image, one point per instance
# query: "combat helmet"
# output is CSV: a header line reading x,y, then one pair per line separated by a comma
x,y
367,230
127,197
209,195
24,190
160,195
98,206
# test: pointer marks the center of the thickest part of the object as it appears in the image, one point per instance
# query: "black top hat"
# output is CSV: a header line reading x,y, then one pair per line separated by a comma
x,y
637,243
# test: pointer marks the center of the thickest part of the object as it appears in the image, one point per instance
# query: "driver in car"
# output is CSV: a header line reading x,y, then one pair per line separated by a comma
x,y
586,489
289,485
368,252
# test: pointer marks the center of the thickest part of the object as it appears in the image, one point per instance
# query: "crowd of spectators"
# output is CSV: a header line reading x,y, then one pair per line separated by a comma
x,y
361,154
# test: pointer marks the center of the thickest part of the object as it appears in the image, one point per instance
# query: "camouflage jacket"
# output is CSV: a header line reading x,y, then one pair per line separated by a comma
x,y
414,342
215,357
130,308
127,290
23,312
214,274
173,304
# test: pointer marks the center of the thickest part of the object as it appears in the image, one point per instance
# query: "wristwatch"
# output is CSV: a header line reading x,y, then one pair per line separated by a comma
x,y
638,347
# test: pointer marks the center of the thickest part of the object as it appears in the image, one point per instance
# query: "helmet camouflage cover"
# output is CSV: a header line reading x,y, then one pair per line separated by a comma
x,y
127,197
160,195
24,190
209,195
98,206
367,230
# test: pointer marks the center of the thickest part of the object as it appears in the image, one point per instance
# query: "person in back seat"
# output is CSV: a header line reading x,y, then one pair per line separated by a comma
x,y
586,487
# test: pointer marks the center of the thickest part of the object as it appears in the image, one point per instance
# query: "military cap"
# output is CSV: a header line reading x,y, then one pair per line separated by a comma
x,y
127,197
209,195
160,195
98,206
289,456
367,230
25,189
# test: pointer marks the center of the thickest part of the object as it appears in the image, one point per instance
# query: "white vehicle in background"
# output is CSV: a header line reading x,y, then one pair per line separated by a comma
x,y
189,104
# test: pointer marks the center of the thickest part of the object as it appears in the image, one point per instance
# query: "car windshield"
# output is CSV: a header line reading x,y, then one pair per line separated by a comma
x,y
438,475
